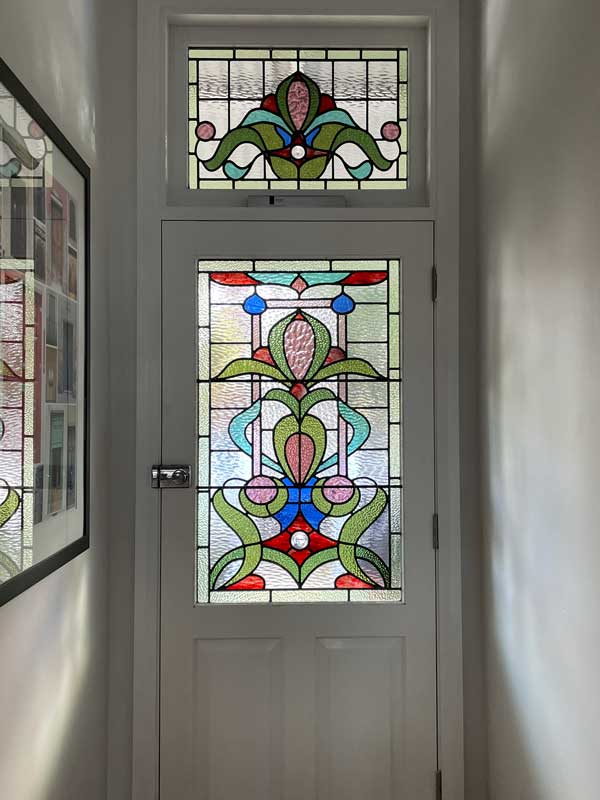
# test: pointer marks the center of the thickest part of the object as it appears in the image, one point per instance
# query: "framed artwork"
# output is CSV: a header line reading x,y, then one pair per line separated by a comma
x,y
44,333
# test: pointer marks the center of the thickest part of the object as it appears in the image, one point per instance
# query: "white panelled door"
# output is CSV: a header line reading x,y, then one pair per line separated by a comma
x,y
298,655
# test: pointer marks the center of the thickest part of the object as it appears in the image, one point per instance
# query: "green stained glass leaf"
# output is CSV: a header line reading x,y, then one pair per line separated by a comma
x,y
247,366
350,366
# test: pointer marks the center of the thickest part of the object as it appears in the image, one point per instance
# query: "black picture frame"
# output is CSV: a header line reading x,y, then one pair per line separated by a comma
x,y
14,586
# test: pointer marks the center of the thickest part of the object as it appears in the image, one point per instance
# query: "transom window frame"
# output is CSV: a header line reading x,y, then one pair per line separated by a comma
x,y
222,31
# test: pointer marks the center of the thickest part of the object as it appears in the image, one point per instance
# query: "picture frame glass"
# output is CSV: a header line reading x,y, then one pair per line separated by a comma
x,y
44,190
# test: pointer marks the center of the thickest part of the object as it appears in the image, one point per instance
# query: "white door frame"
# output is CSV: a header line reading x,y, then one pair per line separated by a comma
x,y
443,210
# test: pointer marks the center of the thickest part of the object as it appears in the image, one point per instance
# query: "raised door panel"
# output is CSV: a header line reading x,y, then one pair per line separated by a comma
x,y
361,700
238,725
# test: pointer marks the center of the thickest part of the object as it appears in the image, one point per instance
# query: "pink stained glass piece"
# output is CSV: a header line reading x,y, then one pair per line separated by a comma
x,y
298,100
299,347
299,453
299,284
261,490
205,131
390,131
34,130
338,489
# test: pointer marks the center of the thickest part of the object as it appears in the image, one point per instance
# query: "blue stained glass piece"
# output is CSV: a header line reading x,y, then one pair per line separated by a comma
x,y
319,278
280,278
311,136
254,304
287,515
287,139
305,491
362,171
312,515
233,171
299,500
343,304
260,115
11,169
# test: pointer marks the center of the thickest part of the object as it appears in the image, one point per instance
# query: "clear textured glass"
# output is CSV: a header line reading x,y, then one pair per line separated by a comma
x,y
299,432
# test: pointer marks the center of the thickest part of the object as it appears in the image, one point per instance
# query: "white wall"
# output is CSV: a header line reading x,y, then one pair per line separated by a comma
x,y
53,638
540,123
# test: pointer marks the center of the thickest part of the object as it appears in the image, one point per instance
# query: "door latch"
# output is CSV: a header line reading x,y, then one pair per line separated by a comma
x,y
171,476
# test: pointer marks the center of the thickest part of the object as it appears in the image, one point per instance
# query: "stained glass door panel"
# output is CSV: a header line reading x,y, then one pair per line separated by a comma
x,y
299,418
297,572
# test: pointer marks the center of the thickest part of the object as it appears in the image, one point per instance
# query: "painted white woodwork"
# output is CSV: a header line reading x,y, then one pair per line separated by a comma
x,y
362,717
328,699
237,718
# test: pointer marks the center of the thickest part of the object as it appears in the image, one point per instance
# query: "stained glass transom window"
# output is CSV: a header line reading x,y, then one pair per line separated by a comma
x,y
299,431
298,119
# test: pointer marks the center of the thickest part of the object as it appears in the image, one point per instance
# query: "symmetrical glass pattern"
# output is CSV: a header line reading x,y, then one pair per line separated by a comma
x,y
299,431
298,119
41,322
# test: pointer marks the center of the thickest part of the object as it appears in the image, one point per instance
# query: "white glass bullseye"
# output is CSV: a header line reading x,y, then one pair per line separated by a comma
x,y
298,151
299,540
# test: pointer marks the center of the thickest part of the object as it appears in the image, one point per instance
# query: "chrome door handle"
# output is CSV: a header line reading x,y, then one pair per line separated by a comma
x,y
171,476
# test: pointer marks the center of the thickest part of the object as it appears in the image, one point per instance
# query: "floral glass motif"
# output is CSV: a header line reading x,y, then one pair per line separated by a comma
x,y
299,423
298,119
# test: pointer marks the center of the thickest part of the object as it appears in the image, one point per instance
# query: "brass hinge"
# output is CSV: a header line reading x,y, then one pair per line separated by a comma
x,y
436,531
434,284
438,785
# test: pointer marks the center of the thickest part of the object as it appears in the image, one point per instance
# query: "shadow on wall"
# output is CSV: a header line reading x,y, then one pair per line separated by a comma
x,y
46,677
541,390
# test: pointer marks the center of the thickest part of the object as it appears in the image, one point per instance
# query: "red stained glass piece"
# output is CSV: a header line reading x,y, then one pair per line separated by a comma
x,y
249,583
350,582
7,373
364,278
6,277
335,354
269,103
299,390
233,278
316,540
326,103
300,524
320,542
262,354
